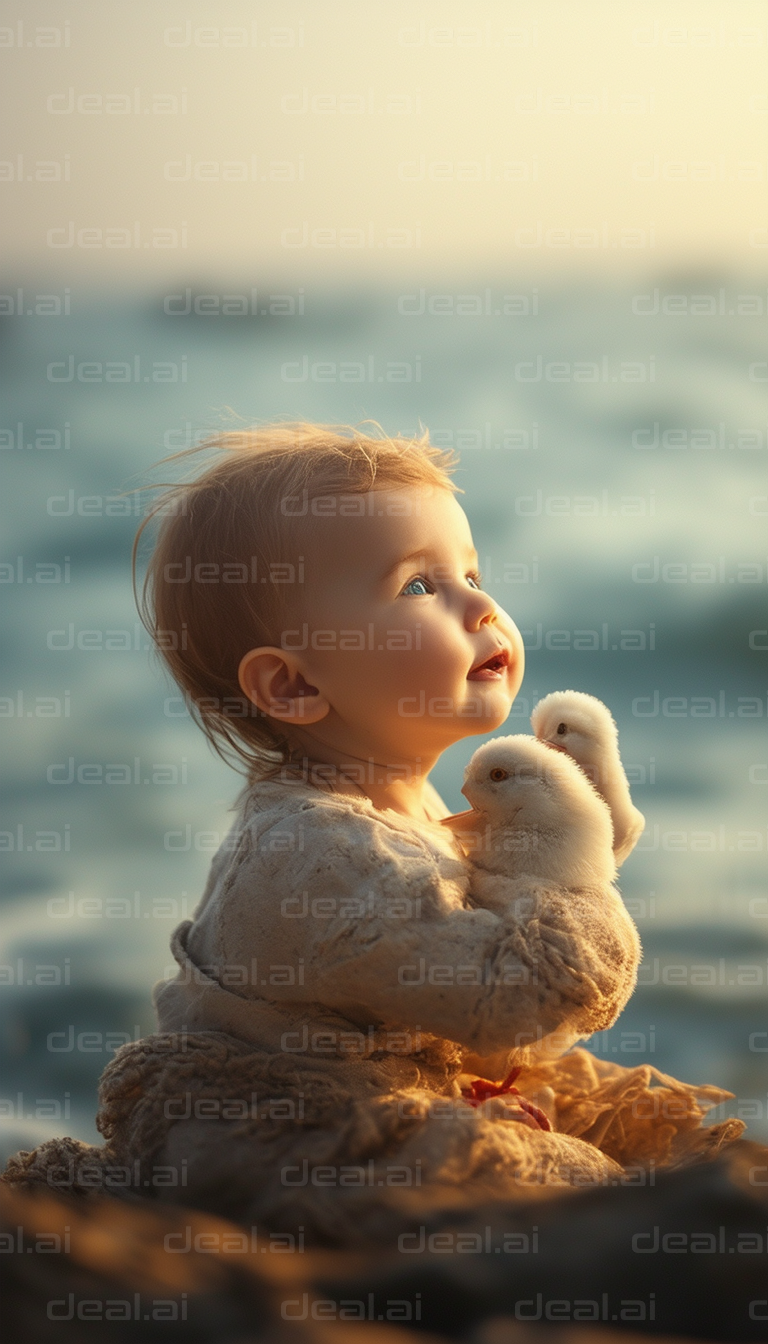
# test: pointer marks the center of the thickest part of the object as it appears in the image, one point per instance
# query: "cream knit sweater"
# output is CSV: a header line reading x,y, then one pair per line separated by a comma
x,y
338,978
325,920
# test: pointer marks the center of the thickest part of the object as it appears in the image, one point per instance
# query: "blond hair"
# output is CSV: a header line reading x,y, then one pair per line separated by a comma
x,y
223,571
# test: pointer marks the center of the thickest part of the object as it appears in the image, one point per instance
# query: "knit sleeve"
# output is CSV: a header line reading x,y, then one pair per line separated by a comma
x,y
371,921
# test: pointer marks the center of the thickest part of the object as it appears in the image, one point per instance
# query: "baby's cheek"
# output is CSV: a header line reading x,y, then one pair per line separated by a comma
x,y
408,667
516,673
442,667
509,627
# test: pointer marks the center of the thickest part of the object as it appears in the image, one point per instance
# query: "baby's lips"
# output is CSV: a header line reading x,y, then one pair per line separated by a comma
x,y
493,667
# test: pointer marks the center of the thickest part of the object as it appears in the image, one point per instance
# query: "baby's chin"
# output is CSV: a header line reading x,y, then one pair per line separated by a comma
x,y
436,720
486,711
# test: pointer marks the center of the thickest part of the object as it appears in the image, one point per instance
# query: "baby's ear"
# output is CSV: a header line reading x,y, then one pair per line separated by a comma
x,y
272,679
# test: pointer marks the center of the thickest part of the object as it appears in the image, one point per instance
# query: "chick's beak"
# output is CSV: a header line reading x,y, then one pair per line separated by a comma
x,y
471,820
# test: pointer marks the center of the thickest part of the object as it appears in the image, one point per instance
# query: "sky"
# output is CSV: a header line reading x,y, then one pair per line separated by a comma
x,y
354,141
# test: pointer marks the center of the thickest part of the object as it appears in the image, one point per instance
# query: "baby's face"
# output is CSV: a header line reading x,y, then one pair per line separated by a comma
x,y
395,628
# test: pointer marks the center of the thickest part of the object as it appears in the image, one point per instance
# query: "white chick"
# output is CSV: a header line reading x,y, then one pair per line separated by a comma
x,y
534,813
537,829
583,728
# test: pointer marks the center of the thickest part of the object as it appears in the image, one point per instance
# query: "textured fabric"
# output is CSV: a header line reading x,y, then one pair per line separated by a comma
x,y
341,977
281,1147
323,908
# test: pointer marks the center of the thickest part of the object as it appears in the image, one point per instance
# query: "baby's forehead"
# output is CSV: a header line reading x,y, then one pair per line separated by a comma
x,y
382,527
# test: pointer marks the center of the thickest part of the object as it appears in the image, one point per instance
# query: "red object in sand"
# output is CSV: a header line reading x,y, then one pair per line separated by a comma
x,y
482,1089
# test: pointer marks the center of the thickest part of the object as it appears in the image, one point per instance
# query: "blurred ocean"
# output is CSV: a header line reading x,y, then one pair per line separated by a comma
x,y
614,447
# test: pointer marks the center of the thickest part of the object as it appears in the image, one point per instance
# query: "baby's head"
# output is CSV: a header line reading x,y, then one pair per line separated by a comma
x,y
315,593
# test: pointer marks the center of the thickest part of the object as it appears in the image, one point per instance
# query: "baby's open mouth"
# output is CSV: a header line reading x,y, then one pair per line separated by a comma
x,y
492,669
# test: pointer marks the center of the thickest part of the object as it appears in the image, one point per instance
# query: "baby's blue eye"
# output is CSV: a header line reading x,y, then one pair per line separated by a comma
x,y
417,587
476,580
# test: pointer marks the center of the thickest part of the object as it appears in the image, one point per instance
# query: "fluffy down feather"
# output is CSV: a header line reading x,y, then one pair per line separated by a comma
x,y
582,726
537,824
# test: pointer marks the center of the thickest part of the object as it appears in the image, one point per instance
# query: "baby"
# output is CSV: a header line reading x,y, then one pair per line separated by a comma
x,y
338,638
315,593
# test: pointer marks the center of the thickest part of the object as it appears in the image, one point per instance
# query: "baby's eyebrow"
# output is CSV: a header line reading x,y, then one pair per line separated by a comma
x,y
423,555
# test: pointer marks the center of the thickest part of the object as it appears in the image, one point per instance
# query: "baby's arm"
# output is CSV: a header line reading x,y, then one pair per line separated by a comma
x,y
388,936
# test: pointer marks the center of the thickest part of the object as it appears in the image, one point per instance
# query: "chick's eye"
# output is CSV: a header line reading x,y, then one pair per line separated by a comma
x,y
498,774
562,729
418,587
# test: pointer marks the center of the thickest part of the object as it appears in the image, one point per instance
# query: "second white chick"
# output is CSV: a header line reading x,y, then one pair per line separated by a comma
x,y
583,728
535,813
540,842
